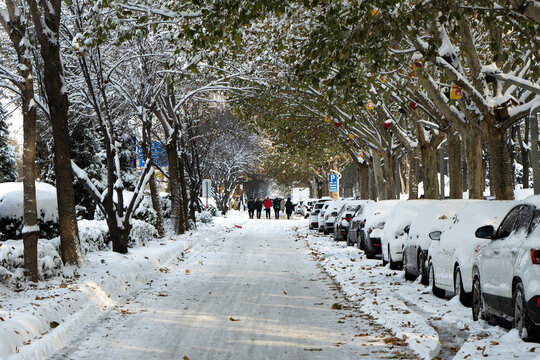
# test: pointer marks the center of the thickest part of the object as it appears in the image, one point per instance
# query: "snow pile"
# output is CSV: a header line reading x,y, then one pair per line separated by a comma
x,y
11,210
12,261
204,217
141,233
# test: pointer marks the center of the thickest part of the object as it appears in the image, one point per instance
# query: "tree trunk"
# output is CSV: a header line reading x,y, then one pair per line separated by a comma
x,y
389,171
53,78
30,229
175,186
429,171
501,167
523,144
378,177
414,164
454,165
475,171
363,175
183,184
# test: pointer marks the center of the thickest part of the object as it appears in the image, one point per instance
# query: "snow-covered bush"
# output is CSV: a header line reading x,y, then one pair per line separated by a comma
x,y
141,233
145,211
11,210
165,199
93,234
12,261
204,217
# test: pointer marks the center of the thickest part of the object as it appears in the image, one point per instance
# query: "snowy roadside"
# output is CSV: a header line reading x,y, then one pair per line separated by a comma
x,y
41,320
432,327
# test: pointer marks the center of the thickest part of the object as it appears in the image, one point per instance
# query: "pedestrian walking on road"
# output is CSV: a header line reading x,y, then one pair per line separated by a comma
x,y
258,207
267,207
277,207
289,207
251,208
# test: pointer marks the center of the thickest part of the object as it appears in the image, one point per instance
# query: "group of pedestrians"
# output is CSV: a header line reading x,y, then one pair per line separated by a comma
x,y
257,206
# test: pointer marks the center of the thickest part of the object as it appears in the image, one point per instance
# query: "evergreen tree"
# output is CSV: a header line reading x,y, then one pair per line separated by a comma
x,y
8,166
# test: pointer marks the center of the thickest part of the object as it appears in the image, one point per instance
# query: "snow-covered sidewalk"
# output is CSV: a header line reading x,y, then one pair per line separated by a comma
x,y
432,327
38,321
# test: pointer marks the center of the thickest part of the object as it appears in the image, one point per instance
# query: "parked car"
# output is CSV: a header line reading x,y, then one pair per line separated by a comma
x,y
314,215
320,218
436,216
374,218
334,207
396,230
451,253
344,217
306,208
506,269
356,224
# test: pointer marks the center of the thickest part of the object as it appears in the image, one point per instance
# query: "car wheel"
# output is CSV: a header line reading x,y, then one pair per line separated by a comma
x,y
361,245
464,297
394,265
477,302
438,292
408,275
422,269
522,321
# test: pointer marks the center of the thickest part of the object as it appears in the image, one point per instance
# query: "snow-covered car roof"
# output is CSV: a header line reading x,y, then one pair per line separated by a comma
x,y
402,215
377,212
438,215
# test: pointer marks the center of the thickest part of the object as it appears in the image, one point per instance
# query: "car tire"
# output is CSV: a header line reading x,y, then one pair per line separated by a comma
x,y
522,322
422,269
408,275
394,265
361,245
464,298
477,301
438,292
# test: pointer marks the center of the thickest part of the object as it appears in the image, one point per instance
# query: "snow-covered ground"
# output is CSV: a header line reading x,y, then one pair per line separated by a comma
x,y
242,289
432,327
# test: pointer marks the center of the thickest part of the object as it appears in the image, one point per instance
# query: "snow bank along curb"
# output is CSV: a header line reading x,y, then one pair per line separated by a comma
x,y
342,263
40,325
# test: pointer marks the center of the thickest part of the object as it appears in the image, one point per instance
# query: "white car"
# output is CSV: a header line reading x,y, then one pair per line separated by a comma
x,y
438,215
451,254
321,215
314,215
330,216
375,215
396,231
506,270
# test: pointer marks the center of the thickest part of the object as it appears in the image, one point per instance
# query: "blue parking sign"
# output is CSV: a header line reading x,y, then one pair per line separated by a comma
x,y
332,182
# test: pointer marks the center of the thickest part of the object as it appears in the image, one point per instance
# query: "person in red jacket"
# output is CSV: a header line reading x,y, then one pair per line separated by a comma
x,y
267,207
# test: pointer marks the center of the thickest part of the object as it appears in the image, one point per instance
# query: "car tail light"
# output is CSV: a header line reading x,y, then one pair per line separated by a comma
x,y
535,256
326,217
376,244
346,218
538,302
370,230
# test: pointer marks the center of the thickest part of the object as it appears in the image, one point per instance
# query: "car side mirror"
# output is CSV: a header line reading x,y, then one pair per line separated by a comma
x,y
485,232
435,235
406,229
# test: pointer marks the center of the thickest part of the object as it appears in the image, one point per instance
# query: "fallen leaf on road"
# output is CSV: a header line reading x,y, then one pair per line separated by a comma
x,y
185,358
233,319
187,271
285,292
532,349
53,324
312,349
494,343
336,306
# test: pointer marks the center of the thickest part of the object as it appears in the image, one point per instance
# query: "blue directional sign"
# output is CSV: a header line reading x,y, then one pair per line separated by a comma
x,y
332,182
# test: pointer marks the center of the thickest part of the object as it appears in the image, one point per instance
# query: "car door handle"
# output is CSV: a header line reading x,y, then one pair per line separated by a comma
x,y
495,252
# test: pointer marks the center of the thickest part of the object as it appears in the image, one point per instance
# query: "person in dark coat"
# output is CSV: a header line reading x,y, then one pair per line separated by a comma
x,y
251,208
289,207
258,207
267,207
277,207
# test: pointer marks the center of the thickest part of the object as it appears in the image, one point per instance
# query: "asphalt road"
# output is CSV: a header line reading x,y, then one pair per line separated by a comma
x,y
250,293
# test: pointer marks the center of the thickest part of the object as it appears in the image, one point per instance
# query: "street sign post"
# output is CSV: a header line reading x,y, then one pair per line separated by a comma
x,y
333,184
206,186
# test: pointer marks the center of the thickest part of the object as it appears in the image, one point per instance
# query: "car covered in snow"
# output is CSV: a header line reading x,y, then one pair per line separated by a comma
x,y
344,217
330,217
314,215
322,215
396,230
506,269
438,215
11,210
451,253
374,218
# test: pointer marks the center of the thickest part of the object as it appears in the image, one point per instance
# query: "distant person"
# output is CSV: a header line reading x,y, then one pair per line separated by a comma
x,y
258,207
267,207
251,208
277,207
289,207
